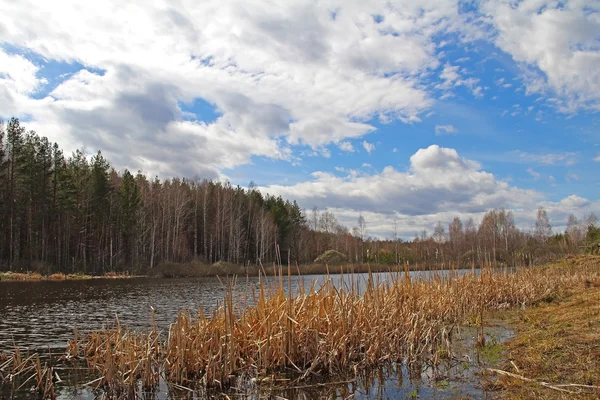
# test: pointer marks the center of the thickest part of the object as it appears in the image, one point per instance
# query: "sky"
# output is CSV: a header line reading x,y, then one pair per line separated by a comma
x,y
406,111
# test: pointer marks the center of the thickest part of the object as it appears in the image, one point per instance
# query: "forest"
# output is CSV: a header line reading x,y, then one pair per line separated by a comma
x,y
78,214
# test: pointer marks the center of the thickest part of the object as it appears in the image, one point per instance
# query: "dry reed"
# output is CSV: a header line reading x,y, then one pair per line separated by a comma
x,y
319,332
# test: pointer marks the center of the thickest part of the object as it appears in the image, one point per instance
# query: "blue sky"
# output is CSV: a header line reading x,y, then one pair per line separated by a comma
x,y
393,110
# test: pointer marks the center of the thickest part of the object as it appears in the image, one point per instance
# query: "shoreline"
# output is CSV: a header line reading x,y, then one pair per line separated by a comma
x,y
59,277
199,270
555,352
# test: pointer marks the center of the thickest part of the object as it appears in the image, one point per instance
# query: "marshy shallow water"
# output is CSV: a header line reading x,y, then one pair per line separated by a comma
x,y
38,315
35,315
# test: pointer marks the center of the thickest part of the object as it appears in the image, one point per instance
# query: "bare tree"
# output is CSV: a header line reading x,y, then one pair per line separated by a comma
x,y
362,233
543,229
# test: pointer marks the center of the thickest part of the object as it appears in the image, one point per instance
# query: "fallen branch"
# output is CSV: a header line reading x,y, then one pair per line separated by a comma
x,y
559,387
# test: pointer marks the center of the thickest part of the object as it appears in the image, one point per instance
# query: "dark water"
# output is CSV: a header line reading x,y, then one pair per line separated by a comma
x,y
37,315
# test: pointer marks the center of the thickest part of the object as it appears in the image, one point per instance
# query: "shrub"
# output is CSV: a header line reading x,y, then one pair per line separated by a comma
x,y
331,257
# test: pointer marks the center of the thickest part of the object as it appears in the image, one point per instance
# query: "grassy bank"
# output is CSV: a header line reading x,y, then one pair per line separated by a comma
x,y
35,277
556,353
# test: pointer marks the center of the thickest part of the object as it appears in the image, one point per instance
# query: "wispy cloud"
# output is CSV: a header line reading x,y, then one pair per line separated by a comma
x,y
369,147
572,177
445,129
566,158
534,174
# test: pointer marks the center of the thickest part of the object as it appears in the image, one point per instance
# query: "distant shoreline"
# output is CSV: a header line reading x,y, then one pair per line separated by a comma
x,y
59,277
200,270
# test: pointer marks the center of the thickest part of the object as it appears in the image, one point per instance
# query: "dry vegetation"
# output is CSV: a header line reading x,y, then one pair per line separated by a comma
x,y
556,354
35,276
321,332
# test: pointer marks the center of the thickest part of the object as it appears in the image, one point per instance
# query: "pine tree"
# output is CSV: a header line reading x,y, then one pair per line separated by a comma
x,y
129,203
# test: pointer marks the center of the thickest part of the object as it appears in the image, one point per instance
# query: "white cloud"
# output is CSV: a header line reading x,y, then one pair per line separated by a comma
x,y
572,177
369,147
438,185
566,158
18,74
278,76
438,179
445,129
534,174
597,158
346,146
451,78
556,44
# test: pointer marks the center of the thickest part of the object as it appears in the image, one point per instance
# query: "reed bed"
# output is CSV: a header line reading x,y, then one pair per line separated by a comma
x,y
35,277
324,331
28,370
20,277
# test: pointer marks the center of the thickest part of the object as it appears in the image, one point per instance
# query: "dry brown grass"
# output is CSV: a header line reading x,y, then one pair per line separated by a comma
x,y
29,372
20,277
557,343
57,277
324,331
35,277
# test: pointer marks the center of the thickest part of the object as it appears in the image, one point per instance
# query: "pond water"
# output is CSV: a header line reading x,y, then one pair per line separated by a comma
x,y
38,315
35,315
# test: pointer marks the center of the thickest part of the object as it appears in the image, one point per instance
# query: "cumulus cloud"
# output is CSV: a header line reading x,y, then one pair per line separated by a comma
x,y
438,185
299,74
278,76
445,129
438,179
556,44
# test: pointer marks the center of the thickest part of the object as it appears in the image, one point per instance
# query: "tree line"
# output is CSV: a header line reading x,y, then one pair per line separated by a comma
x,y
78,214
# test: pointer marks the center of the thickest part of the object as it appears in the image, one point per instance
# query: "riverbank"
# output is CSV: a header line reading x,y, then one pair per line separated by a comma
x,y
35,277
198,269
556,351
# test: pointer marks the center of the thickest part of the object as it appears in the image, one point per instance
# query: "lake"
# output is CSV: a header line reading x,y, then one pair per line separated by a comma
x,y
38,315
35,315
